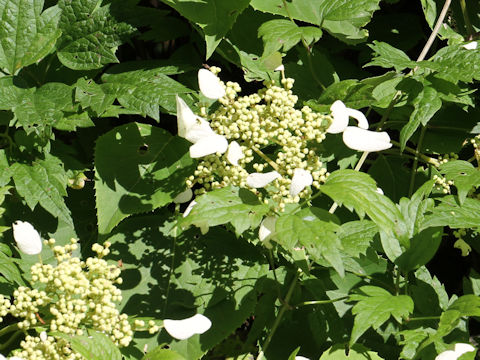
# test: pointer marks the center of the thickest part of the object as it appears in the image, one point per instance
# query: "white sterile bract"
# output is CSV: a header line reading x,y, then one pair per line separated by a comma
x,y
460,349
267,230
234,153
471,45
27,238
210,84
183,197
365,140
189,208
183,329
209,145
300,180
259,180
340,114
185,117
301,358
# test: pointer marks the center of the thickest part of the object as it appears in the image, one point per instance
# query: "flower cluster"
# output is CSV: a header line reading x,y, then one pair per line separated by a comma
x,y
70,297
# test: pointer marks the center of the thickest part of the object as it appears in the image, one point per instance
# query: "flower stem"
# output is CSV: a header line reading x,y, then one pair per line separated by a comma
x,y
422,318
279,316
466,19
425,158
265,157
10,340
320,302
415,162
9,328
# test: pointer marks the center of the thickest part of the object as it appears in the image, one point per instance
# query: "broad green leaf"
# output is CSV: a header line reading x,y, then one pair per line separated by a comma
x,y
314,229
237,206
138,168
73,121
450,213
175,276
215,17
12,89
27,34
44,182
375,306
285,34
90,34
423,247
426,104
432,9
160,353
467,305
412,340
5,171
356,236
9,269
386,56
92,95
358,191
464,175
95,346
356,352
472,283
448,321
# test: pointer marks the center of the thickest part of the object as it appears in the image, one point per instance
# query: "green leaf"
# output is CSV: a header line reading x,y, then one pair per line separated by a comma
x,y
74,121
356,236
426,104
450,213
464,175
96,346
43,182
237,206
423,247
285,34
152,170
215,17
27,34
386,56
358,190
92,95
375,306
9,269
90,34
5,171
356,352
316,230
160,353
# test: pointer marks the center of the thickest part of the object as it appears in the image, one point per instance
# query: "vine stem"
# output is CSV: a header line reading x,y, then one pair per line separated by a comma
x,y
279,317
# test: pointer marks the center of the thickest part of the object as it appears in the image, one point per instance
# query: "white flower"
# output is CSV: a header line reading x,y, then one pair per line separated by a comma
x,y
210,85
183,197
15,358
460,349
365,140
259,180
267,230
27,238
198,131
183,329
301,358
43,336
471,45
280,68
189,208
380,191
340,114
301,179
234,153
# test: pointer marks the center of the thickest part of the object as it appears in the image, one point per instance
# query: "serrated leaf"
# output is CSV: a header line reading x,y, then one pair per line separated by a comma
x,y
412,340
464,175
423,247
71,122
358,191
138,168
284,34
43,182
95,346
314,229
215,17
90,34
356,352
5,171
237,206
27,34
356,236
387,56
375,306
426,104
160,353
90,94
450,213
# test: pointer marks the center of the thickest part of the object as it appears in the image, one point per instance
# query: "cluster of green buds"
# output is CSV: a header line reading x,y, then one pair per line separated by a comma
x,y
442,184
70,297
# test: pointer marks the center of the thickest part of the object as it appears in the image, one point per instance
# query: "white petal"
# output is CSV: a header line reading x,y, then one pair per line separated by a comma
x,y
183,197
301,179
189,208
340,118
43,336
471,45
15,358
185,117
267,228
462,348
365,140
183,329
259,180
301,358
27,238
210,85
280,68
380,191
2,357
447,355
234,153
209,145
358,115
200,129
